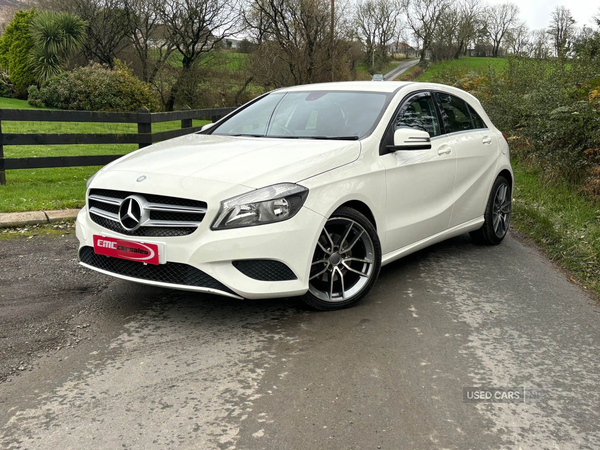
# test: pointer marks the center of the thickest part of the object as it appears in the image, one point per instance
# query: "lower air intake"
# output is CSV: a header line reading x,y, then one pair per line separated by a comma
x,y
172,273
265,269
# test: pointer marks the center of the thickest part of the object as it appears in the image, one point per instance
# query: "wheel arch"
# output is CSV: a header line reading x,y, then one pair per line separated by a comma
x,y
362,208
508,175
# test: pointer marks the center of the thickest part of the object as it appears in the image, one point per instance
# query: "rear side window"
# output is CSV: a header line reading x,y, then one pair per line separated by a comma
x,y
455,113
477,120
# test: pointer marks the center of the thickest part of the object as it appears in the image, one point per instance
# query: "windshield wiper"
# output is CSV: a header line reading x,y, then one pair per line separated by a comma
x,y
335,138
247,135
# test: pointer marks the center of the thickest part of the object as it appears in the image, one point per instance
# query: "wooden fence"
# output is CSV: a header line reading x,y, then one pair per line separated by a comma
x,y
143,137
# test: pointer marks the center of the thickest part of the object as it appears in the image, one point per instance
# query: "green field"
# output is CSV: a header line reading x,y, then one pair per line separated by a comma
x,y
57,188
467,64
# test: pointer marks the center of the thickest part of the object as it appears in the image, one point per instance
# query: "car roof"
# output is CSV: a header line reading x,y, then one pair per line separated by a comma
x,y
365,86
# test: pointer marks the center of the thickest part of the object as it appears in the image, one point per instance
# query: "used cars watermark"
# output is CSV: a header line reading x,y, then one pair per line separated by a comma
x,y
501,395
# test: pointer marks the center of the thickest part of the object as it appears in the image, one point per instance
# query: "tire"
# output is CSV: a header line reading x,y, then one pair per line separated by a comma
x,y
497,215
340,279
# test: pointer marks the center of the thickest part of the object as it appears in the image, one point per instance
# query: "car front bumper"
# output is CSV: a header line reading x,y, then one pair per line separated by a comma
x,y
291,242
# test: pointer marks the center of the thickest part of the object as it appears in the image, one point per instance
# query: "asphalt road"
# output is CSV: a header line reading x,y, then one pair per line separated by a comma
x,y
145,368
400,69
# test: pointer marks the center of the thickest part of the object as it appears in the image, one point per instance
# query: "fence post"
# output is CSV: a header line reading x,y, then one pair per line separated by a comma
x,y
2,172
144,127
186,123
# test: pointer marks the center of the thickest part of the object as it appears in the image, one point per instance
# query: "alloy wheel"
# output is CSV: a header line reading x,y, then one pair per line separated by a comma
x,y
343,262
501,210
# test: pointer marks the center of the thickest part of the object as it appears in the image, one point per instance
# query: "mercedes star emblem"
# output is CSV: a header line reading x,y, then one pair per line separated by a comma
x,y
130,213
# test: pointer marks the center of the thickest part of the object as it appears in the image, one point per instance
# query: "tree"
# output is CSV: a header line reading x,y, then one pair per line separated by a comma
x,y
56,37
194,28
15,47
294,41
517,39
378,24
538,46
500,19
144,26
107,31
424,16
469,24
561,30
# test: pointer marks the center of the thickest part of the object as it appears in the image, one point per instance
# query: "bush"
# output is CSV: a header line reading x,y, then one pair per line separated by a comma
x,y
95,88
15,48
7,89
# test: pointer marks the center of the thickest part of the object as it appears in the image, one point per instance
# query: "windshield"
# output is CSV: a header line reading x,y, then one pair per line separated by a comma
x,y
308,115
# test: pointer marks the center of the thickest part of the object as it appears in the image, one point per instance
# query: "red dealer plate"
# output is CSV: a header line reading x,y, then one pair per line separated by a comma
x,y
120,248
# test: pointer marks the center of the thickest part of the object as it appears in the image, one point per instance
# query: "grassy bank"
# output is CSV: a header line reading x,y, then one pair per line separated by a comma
x,y
480,65
57,188
555,214
565,223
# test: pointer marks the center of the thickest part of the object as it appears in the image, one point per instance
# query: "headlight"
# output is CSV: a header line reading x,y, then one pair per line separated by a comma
x,y
266,205
89,181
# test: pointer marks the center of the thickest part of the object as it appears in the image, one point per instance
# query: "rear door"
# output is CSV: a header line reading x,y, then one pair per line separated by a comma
x,y
419,183
476,149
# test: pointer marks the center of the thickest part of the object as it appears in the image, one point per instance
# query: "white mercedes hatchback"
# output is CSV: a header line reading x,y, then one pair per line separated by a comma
x,y
305,191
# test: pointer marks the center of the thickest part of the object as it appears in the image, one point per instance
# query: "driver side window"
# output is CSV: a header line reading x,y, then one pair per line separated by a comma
x,y
418,113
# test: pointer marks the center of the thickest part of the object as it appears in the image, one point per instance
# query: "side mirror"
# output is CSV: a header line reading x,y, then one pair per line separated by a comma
x,y
206,127
410,139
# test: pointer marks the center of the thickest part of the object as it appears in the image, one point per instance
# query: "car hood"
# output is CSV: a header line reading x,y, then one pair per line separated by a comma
x,y
252,162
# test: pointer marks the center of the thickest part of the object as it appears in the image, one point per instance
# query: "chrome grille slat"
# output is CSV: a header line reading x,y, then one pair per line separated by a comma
x,y
187,214
109,200
173,208
105,214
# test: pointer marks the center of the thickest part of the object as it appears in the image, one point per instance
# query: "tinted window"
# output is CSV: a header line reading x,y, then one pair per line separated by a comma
x,y
316,114
419,113
455,113
477,120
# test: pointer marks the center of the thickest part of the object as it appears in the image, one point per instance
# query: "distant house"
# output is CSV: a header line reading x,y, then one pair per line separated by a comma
x,y
231,43
402,48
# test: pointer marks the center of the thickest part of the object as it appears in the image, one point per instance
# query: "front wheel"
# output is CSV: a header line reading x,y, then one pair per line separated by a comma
x,y
346,261
497,215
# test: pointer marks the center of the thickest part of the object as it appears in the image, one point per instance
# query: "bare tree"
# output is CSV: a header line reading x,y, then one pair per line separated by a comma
x,y
423,18
499,20
561,30
469,24
294,40
194,28
517,39
378,24
538,46
150,45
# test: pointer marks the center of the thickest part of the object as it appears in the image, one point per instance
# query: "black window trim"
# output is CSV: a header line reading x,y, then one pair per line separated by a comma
x,y
383,145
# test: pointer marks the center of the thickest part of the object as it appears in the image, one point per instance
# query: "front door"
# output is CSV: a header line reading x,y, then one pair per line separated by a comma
x,y
419,183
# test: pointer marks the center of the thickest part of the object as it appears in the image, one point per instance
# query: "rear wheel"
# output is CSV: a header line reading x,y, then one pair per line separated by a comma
x,y
497,215
346,261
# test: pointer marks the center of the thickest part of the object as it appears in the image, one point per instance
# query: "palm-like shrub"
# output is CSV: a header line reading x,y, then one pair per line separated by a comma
x,y
56,36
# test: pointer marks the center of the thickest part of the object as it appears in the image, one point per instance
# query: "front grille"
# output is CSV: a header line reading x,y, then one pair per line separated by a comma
x,y
172,273
161,215
265,269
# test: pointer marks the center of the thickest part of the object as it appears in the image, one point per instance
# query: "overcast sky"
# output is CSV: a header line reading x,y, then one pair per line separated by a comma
x,y
537,12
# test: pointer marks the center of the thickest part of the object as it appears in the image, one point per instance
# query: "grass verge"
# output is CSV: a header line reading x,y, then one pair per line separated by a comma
x,y
563,222
438,71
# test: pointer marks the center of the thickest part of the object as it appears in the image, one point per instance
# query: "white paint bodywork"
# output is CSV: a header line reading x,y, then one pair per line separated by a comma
x,y
416,197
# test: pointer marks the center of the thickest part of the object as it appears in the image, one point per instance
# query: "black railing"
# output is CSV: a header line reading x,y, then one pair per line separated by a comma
x,y
143,137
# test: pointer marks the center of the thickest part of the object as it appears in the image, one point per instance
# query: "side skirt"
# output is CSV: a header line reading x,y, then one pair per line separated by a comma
x,y
457,230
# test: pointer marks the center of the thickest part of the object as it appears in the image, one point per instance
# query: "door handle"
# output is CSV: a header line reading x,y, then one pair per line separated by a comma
x,y
487,140
445,150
